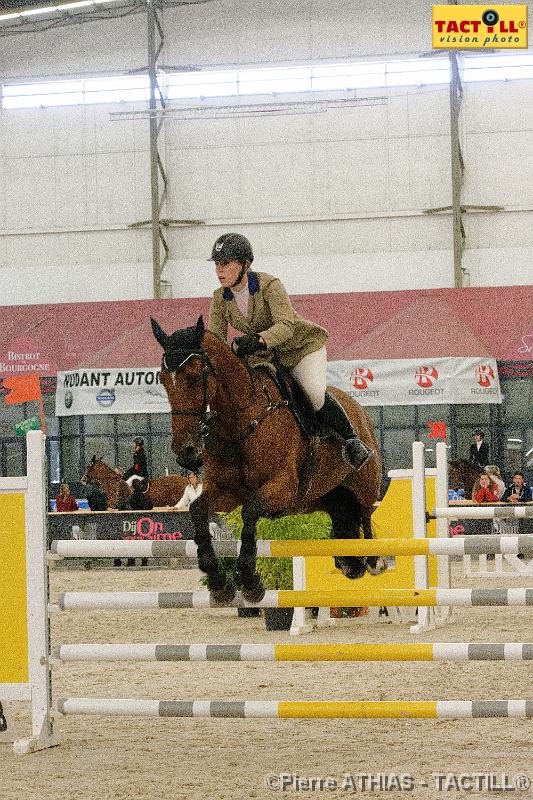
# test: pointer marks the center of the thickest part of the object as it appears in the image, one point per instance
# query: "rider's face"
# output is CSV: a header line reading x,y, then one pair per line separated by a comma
x,y
228,273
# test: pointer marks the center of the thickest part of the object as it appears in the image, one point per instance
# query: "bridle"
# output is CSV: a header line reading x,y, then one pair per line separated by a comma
x,y
174,361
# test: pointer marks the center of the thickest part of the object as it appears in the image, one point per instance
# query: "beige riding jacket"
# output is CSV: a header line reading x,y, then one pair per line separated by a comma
x,y
271,315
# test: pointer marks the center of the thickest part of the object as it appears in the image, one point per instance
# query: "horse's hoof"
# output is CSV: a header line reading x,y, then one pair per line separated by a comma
x,y
223,594
376,565
351,567
254,591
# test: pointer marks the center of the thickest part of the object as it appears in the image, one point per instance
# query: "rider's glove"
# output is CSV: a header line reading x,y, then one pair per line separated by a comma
x,y
247,345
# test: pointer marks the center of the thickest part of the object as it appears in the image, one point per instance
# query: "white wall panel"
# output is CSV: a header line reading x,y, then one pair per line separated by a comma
x,y
314,275
497,230
499,168
51,284
510,266
501,106
29,192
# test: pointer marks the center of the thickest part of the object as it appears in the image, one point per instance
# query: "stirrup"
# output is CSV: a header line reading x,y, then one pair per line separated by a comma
x,y
357,453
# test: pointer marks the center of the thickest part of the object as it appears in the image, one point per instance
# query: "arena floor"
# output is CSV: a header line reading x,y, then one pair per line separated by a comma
x,y
149,759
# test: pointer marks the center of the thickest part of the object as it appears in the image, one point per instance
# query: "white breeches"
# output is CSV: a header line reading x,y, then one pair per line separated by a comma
x,y
310,373
133,478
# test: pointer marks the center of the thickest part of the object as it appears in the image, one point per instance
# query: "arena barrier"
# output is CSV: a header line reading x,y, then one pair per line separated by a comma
x,y
26,671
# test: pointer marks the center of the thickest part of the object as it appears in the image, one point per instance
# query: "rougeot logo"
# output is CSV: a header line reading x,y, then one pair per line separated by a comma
x,y
426,376
361,377
485,375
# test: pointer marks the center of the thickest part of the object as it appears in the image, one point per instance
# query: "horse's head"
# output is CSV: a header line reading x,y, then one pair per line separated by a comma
x,y
186,376
94,470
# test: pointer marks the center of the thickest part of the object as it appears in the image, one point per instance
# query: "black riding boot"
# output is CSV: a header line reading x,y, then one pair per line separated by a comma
x,y
335,417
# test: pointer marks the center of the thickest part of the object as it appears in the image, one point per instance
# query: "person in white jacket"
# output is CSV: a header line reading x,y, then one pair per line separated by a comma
x,y
192,491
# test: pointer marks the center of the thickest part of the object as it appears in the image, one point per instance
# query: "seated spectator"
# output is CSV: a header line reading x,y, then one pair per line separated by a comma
x,y
64,500
122,501
494,473
96,497
192,491
484,490
138,500
518,491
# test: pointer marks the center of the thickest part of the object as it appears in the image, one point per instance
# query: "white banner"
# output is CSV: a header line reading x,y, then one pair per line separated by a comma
x,y
110,391
407,382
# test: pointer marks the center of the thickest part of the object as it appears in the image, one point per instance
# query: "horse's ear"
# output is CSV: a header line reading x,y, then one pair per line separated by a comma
x,y
93,460
200,328
159,333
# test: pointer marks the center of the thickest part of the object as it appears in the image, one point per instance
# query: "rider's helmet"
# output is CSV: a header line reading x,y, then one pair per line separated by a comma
x,y
138,441
232,247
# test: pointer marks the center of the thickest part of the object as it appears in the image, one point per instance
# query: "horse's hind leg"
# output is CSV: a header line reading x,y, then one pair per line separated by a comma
x,y
375,565
346,517
221,588
252,587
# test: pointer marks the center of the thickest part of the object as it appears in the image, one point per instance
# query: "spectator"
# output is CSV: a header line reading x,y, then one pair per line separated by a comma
x,y
484,490
139,469
494,473
518,491
96,497
64,500
479,450
192,491
138,500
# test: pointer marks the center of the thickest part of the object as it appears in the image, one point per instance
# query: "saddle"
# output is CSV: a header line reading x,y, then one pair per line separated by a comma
x,y
296,398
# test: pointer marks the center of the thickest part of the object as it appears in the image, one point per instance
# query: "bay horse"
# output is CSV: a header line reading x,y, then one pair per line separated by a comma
x,y
164,491
462,473
235,421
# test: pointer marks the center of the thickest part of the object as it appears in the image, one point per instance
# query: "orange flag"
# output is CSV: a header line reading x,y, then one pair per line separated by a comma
x,y
23,388
437,430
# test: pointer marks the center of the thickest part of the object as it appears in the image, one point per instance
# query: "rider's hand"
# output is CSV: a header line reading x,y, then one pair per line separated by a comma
x,y
247,345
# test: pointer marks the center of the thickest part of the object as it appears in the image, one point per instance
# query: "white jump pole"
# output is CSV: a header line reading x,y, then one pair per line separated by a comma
x,y
418,495
444,614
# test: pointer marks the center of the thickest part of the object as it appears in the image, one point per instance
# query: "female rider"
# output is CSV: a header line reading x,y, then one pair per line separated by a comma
x,y
257,304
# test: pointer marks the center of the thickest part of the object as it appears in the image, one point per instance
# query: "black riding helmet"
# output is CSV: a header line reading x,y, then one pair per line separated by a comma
x,y
232,247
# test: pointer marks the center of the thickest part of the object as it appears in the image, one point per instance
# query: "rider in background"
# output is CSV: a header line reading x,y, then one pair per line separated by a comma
x,y
139,469
257,304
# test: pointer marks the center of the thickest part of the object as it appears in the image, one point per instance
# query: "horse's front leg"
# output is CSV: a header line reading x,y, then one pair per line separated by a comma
x,y
220,587
252,587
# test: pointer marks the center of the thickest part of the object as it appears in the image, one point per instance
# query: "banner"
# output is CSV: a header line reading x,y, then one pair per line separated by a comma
x,y
31,424
406,382
111,391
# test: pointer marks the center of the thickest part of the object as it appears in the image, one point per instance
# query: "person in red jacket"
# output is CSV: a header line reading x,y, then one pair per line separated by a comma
x,y
485,491
64,500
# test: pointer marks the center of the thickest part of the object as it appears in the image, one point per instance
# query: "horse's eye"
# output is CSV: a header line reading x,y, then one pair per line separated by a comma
x,y
192,381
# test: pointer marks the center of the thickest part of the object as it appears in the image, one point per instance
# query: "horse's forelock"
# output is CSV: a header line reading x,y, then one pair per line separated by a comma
x,y
186,339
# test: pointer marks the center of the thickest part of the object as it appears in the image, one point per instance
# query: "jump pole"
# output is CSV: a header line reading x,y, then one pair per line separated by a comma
x,y
274,709
289,599
457,546
364,651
